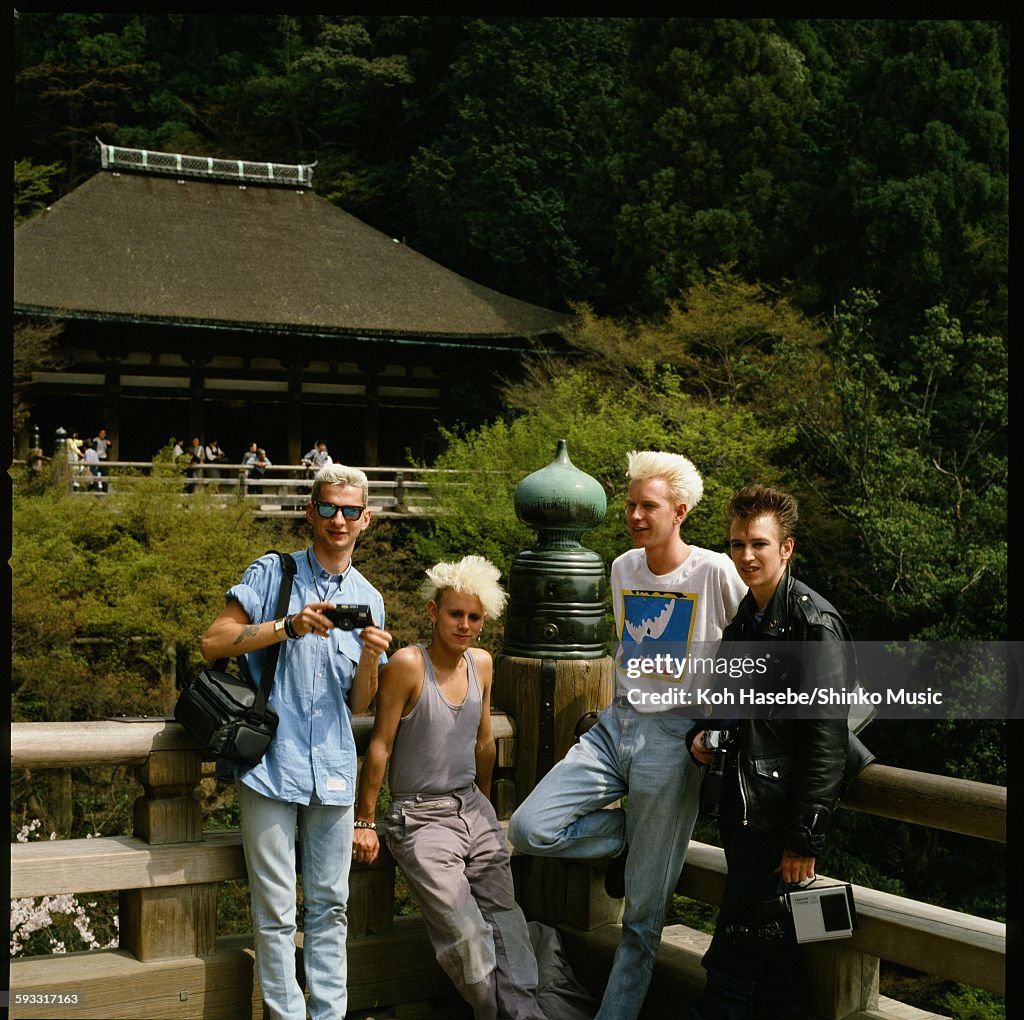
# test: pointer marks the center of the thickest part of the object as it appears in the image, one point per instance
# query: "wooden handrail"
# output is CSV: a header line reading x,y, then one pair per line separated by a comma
x,y
130,741
943,942
939,802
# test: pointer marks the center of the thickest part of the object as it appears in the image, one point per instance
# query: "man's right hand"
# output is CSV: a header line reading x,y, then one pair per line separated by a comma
x,y
703,754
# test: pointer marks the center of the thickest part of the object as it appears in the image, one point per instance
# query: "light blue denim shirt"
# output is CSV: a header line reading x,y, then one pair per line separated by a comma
x,y
313,750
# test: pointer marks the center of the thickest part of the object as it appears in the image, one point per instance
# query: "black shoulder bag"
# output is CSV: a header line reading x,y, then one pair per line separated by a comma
x,y
223,712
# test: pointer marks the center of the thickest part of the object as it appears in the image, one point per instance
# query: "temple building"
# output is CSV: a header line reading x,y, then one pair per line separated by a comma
x,y
225,299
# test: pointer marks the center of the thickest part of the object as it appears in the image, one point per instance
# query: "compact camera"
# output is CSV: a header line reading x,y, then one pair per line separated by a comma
x,y
349,617
803,914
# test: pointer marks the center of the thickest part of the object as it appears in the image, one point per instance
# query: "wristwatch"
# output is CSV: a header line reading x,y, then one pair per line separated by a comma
x,y
279,629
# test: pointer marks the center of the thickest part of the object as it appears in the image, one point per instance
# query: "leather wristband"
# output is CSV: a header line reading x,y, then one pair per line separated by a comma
x,y
359,824
289,628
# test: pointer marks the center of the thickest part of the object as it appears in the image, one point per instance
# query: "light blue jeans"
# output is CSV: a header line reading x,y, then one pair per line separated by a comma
x,y
645,757
325,836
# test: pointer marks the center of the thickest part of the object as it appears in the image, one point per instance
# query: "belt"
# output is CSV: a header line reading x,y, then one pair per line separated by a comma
x,y
463,791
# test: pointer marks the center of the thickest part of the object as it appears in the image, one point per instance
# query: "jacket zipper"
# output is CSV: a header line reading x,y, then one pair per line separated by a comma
x,y
743,788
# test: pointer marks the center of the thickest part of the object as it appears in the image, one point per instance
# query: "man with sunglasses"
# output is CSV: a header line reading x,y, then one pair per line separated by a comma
x,y
308,776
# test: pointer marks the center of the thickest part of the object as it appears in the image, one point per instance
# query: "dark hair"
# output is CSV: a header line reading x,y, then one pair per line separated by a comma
x,y
753,501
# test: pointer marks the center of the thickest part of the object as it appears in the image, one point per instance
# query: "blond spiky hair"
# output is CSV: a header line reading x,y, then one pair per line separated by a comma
x,y
340,474
472,575
685,484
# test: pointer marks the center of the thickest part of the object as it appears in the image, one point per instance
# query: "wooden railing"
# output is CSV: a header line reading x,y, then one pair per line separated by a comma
x,y
282,490
171,962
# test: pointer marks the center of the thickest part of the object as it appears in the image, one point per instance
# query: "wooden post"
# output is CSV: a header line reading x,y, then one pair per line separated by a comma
x,y
371,417
171,921
112,398
553,671
840,980
197,395
547,698
61,475
169,677
294,368
546,714
63,814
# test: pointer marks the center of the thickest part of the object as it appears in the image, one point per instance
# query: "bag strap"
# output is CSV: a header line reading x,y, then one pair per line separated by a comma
x,y
259,706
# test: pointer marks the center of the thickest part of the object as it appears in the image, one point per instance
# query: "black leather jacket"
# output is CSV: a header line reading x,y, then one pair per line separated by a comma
x,y
793,771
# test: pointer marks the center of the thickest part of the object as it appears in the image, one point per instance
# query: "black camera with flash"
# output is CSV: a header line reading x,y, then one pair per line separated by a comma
x,y
349,617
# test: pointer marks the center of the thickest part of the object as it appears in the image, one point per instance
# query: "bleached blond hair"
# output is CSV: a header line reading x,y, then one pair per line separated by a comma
x,y
472,575
685,484
339,474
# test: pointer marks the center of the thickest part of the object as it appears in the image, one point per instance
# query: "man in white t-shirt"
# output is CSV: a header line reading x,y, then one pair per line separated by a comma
x,y
671,602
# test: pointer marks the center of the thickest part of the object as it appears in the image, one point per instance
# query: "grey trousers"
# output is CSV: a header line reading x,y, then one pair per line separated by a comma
x,y
453,855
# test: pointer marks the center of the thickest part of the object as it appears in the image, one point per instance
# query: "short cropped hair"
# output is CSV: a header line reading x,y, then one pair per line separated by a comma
x,y
685,484
339,474
754,501
472,575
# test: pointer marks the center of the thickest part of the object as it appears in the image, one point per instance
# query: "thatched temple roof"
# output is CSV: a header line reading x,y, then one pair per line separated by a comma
x,y
138,247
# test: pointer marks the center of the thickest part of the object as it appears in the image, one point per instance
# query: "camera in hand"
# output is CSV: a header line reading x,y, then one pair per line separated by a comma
x,y
799,915
712,790
349,617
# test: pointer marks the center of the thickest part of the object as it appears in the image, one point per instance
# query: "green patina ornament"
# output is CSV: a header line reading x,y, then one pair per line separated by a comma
x,y
557,588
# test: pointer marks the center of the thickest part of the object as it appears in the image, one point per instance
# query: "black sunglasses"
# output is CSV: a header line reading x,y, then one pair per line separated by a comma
x,y
328,510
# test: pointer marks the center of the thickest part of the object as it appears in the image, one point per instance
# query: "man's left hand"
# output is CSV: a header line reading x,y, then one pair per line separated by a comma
x,y
794,868
375,640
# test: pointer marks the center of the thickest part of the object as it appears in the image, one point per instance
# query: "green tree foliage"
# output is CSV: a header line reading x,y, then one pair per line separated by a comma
x,y
35,349
601,422
913,461
514,188
33,187
81,76
714,155
719,336
319,88
917,155
135,574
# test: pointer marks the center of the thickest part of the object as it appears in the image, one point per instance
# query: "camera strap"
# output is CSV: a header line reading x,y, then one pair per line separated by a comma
x,y
259,705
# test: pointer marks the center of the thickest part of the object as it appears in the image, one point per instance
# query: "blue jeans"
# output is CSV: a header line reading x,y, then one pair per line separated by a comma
x,y
645,757
268,836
